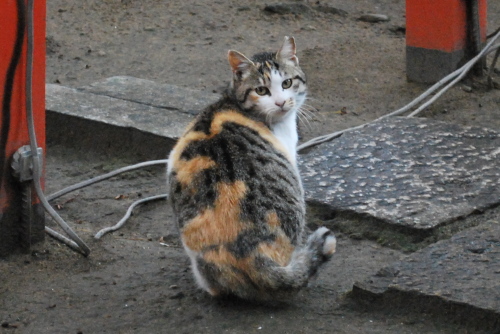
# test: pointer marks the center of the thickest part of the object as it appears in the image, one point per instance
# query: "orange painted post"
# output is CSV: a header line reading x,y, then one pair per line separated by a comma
x,y
13,124
437,37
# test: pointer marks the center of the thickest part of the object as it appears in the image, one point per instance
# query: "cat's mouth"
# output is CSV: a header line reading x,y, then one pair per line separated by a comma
x,y
281,112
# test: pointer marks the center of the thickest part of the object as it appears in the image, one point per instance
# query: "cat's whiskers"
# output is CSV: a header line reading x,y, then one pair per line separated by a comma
x,y
304,120
309,107
306,113
312,112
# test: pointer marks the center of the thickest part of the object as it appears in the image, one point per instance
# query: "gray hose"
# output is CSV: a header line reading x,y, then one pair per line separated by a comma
x,y
82,247
104,177
128,214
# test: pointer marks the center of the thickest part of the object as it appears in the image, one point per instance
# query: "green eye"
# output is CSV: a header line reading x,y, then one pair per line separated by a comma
x,y
287,83
261,90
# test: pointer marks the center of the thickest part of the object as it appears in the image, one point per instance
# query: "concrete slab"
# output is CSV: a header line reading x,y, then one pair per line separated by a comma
x,y
464,270
407,172
115,112
154,94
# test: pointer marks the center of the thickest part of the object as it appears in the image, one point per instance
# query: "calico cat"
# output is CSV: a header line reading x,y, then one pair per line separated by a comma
x,y
235,188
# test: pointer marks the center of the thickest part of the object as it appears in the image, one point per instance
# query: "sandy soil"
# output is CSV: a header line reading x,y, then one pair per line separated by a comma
x,y
137,280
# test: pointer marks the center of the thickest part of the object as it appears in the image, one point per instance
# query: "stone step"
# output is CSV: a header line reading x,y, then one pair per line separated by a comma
x,y
409,174
122,114
463,272
163,96
115,112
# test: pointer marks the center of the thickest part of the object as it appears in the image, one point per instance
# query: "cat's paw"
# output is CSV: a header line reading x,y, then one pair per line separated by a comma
x,y
324,242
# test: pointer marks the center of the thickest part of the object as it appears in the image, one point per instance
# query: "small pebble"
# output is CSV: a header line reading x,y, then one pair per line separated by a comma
x,y
467,89
309,28
374,18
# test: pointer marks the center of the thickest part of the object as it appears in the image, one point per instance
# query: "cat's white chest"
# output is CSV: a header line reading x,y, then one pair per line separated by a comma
x,y
286,132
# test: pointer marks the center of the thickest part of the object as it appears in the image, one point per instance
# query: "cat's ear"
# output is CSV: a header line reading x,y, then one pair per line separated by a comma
x,y
239,63
287,51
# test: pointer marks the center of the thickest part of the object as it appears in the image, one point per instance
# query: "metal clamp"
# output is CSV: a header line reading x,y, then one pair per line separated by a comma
x,y
22,163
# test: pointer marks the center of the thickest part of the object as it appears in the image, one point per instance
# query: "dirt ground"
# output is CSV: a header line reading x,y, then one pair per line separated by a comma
x,y
137,280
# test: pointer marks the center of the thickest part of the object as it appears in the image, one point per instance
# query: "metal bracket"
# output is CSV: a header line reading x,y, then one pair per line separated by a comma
x,y
22,163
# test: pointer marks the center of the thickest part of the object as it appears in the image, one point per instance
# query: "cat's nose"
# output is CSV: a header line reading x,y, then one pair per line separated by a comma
x,y
280,104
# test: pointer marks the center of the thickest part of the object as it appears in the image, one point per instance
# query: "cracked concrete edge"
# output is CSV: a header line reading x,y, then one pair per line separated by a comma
x,y
461,271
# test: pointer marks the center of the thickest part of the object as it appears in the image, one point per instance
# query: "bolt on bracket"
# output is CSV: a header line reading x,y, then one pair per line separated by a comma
x,y
22,163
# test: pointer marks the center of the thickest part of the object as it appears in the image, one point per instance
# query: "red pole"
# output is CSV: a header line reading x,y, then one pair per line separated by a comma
x,y
13,124
437,37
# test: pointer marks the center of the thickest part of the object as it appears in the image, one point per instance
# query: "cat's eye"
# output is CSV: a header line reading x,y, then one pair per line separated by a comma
x,y
262,90
287,83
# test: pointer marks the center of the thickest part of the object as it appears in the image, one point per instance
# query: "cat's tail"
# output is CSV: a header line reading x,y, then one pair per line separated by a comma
x,y
304,263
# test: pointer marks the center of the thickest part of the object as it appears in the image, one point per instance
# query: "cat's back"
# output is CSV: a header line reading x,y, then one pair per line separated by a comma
x,y
231,181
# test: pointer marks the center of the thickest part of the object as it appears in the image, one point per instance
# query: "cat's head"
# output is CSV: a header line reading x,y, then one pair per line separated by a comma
x,y
270,85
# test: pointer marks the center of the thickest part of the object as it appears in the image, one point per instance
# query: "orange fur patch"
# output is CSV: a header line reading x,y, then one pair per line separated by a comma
x,y
187,170
181,145
260,128
226,262
280,250
273,220
218,225
222,257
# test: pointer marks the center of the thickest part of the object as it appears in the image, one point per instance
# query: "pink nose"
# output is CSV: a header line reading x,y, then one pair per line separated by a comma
x,y
280,104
